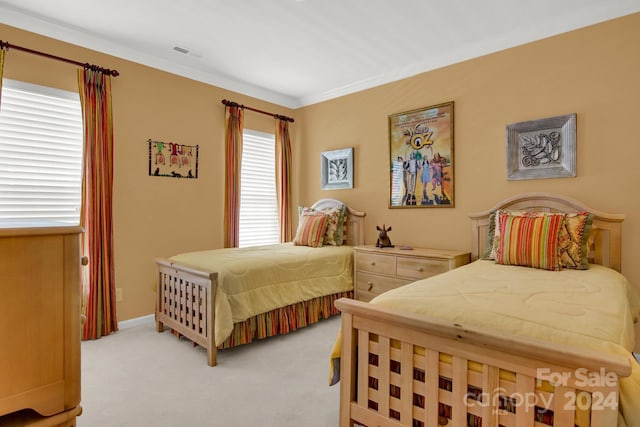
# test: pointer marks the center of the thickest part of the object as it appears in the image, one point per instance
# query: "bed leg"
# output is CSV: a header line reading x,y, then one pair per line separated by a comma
x,y
212,356
159,324
212,350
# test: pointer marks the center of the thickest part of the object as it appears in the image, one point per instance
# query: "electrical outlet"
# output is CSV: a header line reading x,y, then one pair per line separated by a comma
x,y
118,294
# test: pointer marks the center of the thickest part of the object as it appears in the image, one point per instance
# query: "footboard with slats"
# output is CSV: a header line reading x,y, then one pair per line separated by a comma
x,y
404,370
184,300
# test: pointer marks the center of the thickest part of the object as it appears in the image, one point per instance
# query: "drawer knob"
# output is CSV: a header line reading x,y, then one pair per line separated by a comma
x,y
84,260
372,263
370,286
420,269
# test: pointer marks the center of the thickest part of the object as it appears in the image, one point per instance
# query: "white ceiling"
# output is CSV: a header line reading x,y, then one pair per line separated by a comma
x,y
300,52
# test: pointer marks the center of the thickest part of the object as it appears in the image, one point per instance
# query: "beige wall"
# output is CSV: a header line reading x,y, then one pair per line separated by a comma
x,y
592,72
153,216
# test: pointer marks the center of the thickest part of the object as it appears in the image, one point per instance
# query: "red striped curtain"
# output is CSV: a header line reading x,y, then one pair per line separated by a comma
x,y
99,304
234,123
283,179
2,52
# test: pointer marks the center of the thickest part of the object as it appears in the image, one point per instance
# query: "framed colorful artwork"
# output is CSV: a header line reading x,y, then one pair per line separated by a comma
x,y
421,157
172,159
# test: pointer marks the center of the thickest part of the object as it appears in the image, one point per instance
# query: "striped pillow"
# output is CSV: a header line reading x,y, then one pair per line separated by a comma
x,y
333,235
529,240
311,229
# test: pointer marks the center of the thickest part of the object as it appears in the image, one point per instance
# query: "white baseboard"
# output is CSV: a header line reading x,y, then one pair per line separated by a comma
x,y
136,321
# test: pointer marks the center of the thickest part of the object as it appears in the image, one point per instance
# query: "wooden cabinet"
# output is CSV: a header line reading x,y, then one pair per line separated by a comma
x,y
28,418
39,321
380,269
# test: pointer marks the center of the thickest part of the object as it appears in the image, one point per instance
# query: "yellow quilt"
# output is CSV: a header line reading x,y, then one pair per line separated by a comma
x,y
259,279
593,309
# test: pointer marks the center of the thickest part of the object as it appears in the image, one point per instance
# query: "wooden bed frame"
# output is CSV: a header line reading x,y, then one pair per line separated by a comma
x,y
393,363
186,296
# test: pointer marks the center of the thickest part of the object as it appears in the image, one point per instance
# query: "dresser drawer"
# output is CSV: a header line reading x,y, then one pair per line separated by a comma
x,y
376,263
372,284
420,268
379,270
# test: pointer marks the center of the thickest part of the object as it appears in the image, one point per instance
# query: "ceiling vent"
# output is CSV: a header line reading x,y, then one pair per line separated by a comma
x,y
187,51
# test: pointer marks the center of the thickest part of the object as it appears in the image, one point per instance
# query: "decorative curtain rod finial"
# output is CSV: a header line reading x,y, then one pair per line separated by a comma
x,y
231,104
235,104
99,69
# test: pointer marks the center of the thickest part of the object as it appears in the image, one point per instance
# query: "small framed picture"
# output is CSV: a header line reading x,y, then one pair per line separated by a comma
x,y
337,169
173,160
544,148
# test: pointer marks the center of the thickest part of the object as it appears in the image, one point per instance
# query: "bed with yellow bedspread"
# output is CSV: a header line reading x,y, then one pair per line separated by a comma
x,y
222,298
497,345
591,309
260,279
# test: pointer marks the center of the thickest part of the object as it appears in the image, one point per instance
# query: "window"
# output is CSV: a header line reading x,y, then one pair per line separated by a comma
x,y
41,138
258,200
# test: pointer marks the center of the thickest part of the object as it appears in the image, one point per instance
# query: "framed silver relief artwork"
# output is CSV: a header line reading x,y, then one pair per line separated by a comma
x,y
544,148
337,169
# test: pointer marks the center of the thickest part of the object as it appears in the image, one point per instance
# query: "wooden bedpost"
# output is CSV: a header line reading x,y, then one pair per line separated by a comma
x,y
347,368
159,324
212,350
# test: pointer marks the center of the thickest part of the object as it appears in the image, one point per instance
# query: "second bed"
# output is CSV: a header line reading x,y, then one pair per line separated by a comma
x,y
222,298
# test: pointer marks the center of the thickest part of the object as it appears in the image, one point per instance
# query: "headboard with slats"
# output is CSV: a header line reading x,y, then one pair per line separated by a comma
x,y
355,222
605,239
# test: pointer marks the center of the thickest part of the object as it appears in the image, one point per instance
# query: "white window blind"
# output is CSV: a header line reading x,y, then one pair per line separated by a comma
x,y
258,203
41,140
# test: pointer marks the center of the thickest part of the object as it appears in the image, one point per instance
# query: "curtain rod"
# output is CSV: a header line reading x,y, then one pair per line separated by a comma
x,y
7,45
277,116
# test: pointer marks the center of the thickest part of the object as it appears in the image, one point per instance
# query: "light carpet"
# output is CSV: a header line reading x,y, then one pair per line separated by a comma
x,y
139,377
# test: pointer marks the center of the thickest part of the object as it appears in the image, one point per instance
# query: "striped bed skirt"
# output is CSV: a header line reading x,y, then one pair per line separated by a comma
x,y
282,320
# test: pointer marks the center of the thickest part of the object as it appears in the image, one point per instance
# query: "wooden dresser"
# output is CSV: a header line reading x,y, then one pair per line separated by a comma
x,y
380,269
40,326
